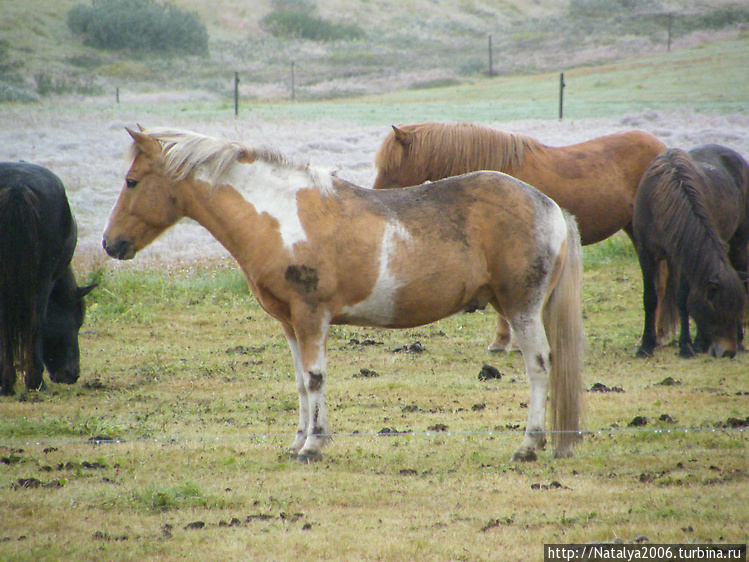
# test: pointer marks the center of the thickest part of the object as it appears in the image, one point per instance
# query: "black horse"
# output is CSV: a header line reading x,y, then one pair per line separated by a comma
x,y
692,210
41,306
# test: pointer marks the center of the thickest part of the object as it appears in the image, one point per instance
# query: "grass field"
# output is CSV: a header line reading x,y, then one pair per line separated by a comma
x,y
171,446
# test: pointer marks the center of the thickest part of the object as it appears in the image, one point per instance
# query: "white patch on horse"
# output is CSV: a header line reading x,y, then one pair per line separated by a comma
x,y
379,307
273,190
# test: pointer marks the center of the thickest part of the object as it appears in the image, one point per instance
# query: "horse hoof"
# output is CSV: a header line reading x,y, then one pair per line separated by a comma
x,y
562,454
309,457
524,456
643,353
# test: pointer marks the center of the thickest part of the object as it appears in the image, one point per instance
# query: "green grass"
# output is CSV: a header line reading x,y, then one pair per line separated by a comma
x,y
193,384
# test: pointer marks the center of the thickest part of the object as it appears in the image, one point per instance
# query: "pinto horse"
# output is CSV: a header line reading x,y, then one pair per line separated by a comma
x,y
692,211
41,307
595,180
419,254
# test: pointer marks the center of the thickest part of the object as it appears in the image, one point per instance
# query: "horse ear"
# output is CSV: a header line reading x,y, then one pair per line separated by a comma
x,y
401,136
248,156
145,143
83,291
141,128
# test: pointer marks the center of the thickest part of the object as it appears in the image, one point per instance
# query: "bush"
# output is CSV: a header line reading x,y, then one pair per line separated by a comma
x,y
297,19
139,25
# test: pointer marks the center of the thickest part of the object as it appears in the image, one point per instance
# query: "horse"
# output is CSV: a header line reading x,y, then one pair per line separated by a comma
x,y
41,306
318,251
595,180
692,211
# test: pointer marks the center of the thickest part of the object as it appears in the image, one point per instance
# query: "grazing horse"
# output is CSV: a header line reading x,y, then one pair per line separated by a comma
x,y
692,211
318,251
41,307
594,180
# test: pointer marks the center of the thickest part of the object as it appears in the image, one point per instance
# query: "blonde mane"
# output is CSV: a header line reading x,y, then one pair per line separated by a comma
x,y
449,149
186,152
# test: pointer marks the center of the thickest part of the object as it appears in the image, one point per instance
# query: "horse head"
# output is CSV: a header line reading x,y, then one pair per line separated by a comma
x,y
65,313
718,310
146,206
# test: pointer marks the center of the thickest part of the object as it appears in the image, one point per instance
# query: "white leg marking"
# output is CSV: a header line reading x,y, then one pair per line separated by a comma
x,y
531,337
296,355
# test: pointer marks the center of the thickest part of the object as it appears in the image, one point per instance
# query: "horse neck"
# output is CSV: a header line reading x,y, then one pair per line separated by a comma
x,y
248,218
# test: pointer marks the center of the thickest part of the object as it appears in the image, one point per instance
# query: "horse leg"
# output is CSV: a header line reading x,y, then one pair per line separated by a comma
x,y
504,339
686,348
296,355
534,346
650,304
8,378
312,341
35,368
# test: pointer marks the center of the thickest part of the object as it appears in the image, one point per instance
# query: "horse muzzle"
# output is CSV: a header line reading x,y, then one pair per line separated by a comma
x,y
722,349
65,376
120,248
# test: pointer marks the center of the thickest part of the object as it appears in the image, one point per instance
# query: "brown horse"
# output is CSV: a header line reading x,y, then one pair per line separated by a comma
x,y
692,211
594,180
318,251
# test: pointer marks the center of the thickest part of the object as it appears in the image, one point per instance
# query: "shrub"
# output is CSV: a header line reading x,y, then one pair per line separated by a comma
x,y
297,19
139,25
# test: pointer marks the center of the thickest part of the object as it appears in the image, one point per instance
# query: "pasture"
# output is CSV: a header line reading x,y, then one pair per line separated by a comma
x,y
171,444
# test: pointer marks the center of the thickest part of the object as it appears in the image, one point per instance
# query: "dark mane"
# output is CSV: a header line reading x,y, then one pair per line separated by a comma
x,y
689,229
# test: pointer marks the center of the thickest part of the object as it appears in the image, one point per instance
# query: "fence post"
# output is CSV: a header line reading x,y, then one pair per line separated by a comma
x,y
293,92
670,19
491,64
236,94
117,95
561,95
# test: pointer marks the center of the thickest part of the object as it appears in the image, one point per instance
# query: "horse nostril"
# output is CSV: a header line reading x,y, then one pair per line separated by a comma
x,y
121,248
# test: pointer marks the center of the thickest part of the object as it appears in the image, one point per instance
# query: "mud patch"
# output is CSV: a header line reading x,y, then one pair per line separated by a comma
x,y
365,373
415,348
600,387
489,372
553,485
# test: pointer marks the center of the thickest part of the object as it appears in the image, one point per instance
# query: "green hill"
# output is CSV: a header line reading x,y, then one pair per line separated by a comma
x,y
399,44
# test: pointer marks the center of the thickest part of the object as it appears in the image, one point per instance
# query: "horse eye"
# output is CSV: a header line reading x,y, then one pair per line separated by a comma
x,y
131,183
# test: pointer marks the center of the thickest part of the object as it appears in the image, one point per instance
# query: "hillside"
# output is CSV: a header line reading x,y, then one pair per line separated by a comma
x,y
403,44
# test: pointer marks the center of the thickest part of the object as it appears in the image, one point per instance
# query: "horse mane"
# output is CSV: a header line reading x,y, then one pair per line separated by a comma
x,y
689,229
186,152
470,147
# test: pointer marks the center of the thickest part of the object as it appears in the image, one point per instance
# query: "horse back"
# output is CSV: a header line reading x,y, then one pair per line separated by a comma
x,y
468,240
57,234
726,189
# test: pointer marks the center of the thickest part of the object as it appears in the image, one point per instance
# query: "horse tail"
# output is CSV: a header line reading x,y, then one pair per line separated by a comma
x,y
668,319
563,322
20,223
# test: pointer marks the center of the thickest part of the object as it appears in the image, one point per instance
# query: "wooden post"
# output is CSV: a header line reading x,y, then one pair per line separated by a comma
x,y
117,95
670,18
293,92
561,95
236,94
491,64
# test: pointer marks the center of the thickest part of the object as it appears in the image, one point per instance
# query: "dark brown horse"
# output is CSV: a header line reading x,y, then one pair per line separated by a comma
x,y
692,211
595,180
